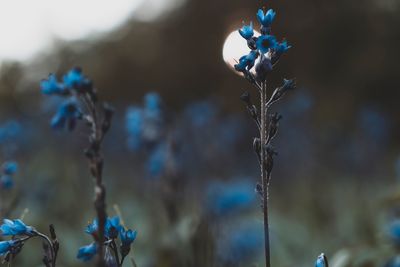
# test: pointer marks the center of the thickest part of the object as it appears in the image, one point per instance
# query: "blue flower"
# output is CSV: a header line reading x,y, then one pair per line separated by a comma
x,y
10,130
10,167
15,227
134,127
92,227
152,105
52,86
68,113
239,244
86,253
127,237
247,31
157,160
201,113
247,61
223,198
112,227
394,232
6,182
322,261
6,246
393,262
266,42
267,18
74,78
242,65
282,47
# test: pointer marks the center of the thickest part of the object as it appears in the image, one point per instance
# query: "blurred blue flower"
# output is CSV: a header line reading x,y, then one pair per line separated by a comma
x,y
10,167
374,123
6,182
51,86
86,253
68,113
266,19
227,198
92,228
134,127
240,244
282,47
9,130
321,261
393,262
6,246
266,42
200,113
157,160
127,236
152,105
229,130
247,31
394,232
74,78
15,227
143,125
299,104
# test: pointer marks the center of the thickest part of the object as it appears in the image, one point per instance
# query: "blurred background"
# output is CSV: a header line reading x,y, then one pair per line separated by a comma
x,y
185,177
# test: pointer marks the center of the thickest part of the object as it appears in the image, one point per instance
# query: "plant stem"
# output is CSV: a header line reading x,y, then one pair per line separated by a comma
x,y
115,250
96,169
264,173
51,247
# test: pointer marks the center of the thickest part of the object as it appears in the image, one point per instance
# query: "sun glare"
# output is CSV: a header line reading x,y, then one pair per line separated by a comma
x,y
235,47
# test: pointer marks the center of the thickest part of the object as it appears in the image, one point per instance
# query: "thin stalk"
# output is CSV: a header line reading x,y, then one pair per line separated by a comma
x,y
264,174
50,244
115,249
96,168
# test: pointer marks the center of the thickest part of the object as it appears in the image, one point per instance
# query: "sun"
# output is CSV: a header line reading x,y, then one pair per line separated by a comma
x,y
234,48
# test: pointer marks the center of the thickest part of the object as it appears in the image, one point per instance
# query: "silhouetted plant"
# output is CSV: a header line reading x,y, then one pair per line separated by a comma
x,y
268,51
81,103
265,52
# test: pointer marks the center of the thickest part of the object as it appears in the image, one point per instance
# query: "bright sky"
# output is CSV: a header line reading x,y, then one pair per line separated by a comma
x,y
28,26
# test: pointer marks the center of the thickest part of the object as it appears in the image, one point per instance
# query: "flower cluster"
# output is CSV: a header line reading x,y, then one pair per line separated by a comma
x,y
19,233
15,227
81,103
145,128
143,124
227,198
266,47
113,230
237,245
8,170
73,84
